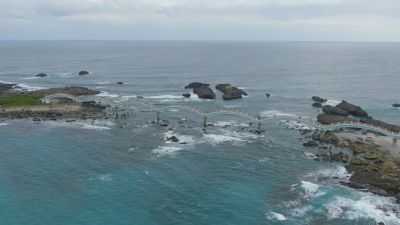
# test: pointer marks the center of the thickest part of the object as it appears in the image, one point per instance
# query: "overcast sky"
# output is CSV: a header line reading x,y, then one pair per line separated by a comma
x,y
276,20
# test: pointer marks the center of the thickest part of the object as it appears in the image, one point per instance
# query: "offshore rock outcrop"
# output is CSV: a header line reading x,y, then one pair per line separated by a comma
x,y
195,85
334,110
83,72
318,99
41,75
202,90
230,92
329,119
339,114
352,109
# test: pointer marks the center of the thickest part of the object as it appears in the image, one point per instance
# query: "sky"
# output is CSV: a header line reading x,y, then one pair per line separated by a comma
x,y
266,20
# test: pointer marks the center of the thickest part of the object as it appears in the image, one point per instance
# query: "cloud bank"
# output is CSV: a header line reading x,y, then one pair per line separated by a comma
x,y
294,20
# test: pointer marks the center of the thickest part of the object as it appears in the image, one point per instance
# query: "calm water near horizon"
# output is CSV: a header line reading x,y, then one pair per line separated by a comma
x,y
123,172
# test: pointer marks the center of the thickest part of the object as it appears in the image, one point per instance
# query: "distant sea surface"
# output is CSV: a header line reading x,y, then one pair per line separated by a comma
x,y
124,172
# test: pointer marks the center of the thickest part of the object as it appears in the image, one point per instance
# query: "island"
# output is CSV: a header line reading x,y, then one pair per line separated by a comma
x,y
16,103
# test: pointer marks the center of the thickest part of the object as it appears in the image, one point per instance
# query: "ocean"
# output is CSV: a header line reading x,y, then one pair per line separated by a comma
x,y
124,172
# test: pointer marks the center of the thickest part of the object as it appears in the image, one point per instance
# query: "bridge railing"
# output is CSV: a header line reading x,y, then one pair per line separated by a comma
x,y
115,102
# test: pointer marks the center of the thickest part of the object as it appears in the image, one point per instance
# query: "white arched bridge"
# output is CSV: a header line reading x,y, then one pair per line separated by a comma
x,y
258,119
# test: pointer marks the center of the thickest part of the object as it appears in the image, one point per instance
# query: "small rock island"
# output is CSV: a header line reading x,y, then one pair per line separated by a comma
x,y
17,104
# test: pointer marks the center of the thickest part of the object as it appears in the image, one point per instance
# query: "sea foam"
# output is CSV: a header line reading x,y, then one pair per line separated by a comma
x,y
275,216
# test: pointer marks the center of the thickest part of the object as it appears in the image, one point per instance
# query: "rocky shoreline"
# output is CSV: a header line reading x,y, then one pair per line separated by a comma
x,y
374,167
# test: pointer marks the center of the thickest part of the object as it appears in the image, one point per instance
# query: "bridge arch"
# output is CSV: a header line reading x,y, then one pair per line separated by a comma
x,y
129,102
186,108
48,98
361,126
248,116
311,123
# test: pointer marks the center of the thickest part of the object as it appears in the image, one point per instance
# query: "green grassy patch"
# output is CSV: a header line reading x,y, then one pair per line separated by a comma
x,y
20,100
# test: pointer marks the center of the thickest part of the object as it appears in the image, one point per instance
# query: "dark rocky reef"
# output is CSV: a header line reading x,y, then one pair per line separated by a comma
x,y
318,99
230,92
120,82
372,169
311,144
317,105
195,85
352,109
186,95
329,119
6,87
339,114
172,139
41,75
334,110
204,92
83,72
396,105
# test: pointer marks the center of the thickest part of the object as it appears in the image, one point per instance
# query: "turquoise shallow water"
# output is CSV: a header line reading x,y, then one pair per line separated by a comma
x,y
100,173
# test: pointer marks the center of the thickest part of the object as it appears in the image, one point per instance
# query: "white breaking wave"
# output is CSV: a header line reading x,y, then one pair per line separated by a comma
x,y
5,82
369,206
27,87
103,177
107,94
165,97
4,124
93,127
339,171
103,82
276,113
186,139
275,216
310,189
218,138
97,125
167,150
332,102
32,78
231,123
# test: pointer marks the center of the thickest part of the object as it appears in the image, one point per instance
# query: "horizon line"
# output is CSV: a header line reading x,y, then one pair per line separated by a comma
x,y
203,40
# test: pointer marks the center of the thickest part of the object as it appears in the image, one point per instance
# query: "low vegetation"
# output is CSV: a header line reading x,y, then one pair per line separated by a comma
x,y
21,100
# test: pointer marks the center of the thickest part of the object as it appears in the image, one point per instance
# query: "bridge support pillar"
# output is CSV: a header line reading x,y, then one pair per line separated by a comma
x,y
116,112
158,116
205,121
259,125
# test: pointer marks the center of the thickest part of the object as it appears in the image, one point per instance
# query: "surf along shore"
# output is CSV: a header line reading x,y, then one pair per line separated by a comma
x,y
373,160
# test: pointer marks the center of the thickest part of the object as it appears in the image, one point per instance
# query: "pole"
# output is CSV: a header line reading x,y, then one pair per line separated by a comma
x,y
205,121
259,125
158,116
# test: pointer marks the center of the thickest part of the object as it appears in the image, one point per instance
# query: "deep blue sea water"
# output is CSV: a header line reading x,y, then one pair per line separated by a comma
x,y
100,173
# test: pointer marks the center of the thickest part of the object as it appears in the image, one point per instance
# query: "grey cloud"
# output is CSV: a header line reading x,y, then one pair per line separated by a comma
x,y
187,19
